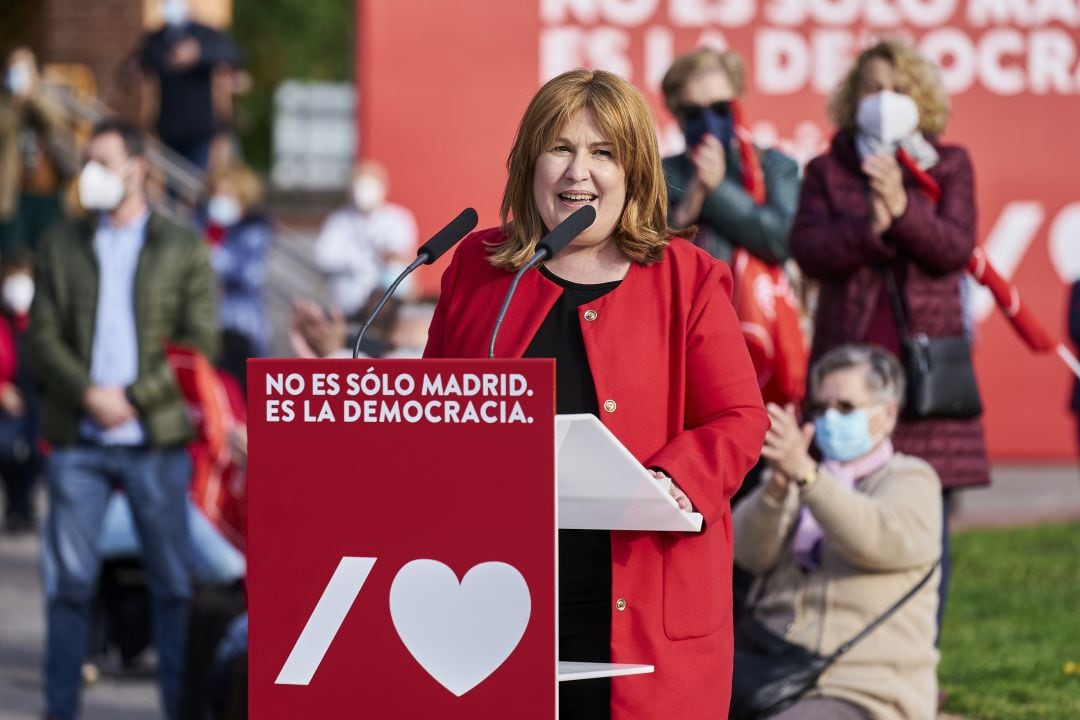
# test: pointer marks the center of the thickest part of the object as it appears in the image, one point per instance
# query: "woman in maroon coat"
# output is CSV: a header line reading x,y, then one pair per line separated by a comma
x,y
644,336
867,206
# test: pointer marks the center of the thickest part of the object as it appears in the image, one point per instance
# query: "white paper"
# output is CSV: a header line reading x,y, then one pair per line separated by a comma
x,y
603,487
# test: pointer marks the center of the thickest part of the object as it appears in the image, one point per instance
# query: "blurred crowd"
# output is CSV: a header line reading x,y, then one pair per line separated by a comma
x,y
122,297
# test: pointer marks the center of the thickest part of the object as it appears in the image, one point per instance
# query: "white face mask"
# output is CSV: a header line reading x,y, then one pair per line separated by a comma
x,y
175,12
18,78
18,293
99,187
224,210
887,116
368,193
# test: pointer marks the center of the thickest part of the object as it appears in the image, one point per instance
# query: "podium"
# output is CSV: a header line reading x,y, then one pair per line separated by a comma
x,y
402,543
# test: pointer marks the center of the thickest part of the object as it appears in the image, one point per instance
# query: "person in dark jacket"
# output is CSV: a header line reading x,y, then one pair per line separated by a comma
x,y
20,455
186,58
708,184
863,212
112,291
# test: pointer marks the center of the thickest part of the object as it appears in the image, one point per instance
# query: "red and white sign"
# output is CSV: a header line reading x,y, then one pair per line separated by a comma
x,y
443,86
401,550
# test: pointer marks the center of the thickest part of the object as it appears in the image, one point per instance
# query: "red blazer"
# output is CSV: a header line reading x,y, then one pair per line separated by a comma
x,y
675,384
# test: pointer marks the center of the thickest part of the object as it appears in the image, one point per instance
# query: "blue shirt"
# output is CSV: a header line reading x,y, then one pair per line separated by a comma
x,y
114,359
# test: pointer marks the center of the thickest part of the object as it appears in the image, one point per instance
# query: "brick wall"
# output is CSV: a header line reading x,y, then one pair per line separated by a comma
x,y
101,34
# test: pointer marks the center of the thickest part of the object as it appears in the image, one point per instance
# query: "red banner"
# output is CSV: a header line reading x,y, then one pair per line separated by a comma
x,y
401,549
443,85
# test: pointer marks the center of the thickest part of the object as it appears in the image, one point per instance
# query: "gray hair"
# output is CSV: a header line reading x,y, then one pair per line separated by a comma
x,y
884,374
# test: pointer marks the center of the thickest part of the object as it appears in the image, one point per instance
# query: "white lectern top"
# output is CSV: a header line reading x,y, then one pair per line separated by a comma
x,y
603,487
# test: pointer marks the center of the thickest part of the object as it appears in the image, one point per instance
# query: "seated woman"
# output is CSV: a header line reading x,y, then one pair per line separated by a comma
x,y
834,545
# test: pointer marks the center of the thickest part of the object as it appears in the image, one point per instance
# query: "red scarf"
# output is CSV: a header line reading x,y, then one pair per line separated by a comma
x,y
763,298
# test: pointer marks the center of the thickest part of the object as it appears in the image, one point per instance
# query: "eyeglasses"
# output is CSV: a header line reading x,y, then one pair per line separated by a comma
x,y
816,410
691,112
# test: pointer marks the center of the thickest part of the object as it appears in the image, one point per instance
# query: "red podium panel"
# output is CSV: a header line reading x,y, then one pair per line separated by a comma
x,y
359,469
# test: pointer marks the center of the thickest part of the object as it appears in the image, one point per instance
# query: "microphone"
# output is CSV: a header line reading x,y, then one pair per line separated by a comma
x,y
446,238
548,247
428,253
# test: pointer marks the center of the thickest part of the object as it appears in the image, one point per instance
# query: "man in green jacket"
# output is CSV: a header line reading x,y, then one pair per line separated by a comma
x,y
112,291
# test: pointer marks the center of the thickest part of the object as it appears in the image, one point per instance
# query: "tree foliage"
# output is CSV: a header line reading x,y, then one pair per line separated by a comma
x,y
287,40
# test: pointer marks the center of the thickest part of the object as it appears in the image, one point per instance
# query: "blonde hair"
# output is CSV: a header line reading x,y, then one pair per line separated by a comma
x,y
698,61
921,78
248,186
624,118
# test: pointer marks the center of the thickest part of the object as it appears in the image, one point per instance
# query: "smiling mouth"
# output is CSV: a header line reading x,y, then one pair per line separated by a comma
x,y
577,198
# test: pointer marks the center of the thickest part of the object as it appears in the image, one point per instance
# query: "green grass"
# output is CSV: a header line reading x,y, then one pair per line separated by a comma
x,y
1011,641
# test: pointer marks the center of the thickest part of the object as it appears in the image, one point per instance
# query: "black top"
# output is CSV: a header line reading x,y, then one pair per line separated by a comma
x,y
186,112
584,555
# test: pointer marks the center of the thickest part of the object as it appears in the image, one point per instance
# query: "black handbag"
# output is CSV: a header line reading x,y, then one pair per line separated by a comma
x,y
940,376
772,673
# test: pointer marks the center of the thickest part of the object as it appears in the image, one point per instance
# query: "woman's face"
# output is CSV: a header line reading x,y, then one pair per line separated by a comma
x,y
879,74
580,169
703,89
846,390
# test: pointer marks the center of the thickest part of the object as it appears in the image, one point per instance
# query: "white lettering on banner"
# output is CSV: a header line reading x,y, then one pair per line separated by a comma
x,y
490,412
999,78
561,11
1006,245
325,413
1065,243
954,54
1066,12
279,411
835,12
325,621
627,13
833,51
1051,62
801,45
981,13
292,384
1023,13
659,54
781,61
882,14
568,47
702,13
927,13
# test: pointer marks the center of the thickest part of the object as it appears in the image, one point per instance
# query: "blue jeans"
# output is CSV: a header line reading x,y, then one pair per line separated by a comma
x,y
80,480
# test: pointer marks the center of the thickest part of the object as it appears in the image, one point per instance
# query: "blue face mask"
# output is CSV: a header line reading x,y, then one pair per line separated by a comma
x,y
708,122
843,437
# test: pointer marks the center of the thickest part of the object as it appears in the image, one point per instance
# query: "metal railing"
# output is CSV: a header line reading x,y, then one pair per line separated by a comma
x,y
177,186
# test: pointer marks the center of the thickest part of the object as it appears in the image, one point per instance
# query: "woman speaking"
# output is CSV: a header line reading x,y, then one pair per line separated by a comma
x,y
644,337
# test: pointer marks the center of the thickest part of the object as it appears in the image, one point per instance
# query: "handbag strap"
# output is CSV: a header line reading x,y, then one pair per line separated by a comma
x,y
896,300
845,647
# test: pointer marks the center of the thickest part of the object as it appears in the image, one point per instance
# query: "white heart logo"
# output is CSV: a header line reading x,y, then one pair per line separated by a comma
x,y
460,633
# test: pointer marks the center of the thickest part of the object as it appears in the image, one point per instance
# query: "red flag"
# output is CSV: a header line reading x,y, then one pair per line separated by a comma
x,y
763,298
216,407
1008,299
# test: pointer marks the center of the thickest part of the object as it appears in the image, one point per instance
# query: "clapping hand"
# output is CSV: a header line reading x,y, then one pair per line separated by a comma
x,y
709,162
887,182
787,444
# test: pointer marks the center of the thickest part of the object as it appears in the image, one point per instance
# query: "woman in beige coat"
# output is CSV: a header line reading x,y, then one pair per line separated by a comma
x,y
834,544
